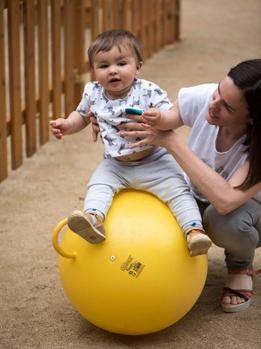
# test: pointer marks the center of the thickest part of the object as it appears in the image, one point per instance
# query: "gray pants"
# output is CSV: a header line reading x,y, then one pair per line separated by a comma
x,y
158,173
238,232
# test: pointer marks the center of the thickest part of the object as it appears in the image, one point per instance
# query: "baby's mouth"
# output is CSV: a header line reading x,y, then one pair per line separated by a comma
x,y
114,80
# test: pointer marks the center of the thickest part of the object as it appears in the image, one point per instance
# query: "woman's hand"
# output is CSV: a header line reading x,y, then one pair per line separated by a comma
x,y
95,127
145,134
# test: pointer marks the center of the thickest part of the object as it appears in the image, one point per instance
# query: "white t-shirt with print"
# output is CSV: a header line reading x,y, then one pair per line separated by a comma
x,y
111,112
193,104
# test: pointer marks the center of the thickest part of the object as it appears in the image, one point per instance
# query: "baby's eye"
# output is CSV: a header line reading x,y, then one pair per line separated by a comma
x,y
122,63
102,66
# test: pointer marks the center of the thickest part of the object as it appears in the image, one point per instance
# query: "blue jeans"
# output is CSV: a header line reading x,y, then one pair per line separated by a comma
x,y
238,232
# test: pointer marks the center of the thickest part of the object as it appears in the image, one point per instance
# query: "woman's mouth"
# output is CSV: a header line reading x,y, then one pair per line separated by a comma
x,y
212,114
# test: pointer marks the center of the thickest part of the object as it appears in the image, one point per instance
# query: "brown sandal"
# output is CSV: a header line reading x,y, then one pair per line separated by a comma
x,y
242,293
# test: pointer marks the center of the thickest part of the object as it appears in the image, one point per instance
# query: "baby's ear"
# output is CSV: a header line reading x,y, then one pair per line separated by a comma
x,y
92,72
138,66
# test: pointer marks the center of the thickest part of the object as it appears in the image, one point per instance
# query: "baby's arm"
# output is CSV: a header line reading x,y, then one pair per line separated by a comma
x,y
163,120
73,124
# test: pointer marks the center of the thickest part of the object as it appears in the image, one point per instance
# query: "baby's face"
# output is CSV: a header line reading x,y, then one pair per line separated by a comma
x,y
116,70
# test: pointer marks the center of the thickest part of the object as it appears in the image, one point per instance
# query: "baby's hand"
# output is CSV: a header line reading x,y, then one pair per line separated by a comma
x,y
60,127
152,117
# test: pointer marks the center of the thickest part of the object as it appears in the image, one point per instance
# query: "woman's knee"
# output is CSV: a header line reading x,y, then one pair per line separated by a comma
x,y
233,230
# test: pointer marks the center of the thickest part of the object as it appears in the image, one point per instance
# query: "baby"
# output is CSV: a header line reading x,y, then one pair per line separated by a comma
x,y
115,58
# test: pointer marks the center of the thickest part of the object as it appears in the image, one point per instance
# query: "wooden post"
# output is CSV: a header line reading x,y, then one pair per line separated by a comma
x,y
30,96
43,71
127,14
96,18
68,55
177,20
56,59
79,49
3,132
15,82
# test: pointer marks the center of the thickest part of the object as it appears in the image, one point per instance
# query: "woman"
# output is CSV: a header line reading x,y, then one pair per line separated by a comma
x,y
222,162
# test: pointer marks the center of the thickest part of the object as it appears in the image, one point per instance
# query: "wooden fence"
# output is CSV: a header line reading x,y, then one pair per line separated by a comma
x,y
43,60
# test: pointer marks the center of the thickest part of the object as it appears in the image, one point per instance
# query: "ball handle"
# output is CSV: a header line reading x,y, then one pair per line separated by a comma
x,y
55,241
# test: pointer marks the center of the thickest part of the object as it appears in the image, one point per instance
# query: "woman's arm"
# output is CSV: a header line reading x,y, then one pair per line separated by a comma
x,y
220,193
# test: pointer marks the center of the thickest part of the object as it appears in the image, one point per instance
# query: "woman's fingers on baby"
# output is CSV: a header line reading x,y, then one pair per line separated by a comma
x,y
130,126
94,135
93,119
136,144
135,117
95,128
136,134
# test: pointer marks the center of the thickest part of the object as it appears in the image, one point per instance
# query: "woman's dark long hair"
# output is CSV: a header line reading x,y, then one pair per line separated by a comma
x,y
247,77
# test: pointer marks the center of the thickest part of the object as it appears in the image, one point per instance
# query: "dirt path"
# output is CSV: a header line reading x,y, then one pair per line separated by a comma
x,y
34,311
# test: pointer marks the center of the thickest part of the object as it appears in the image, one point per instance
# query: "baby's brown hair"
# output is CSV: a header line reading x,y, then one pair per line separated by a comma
x,y
116,37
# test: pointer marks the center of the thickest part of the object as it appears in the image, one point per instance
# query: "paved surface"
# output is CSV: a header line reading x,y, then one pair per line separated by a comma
x,y
34,311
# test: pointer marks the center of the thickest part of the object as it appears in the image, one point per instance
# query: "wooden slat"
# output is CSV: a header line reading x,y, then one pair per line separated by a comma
x,y
169,18
43,70
56,59
117,15
167,22
15,82
107,18
68,55
30,95
177,20
150,33
161,21
79,51
136,19
127,14
3,132
96,18
144,27
158,24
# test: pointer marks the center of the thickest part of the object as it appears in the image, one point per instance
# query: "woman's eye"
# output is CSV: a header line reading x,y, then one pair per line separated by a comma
x,y
214,97
228,108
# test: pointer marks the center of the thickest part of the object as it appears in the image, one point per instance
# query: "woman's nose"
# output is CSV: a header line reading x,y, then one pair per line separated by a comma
x,y
215,104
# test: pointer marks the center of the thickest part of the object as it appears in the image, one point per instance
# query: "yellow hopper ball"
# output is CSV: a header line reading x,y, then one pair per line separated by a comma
x,y
141,279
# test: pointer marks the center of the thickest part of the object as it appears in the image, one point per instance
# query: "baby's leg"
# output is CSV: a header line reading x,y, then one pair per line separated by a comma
x,y
104,183
165,179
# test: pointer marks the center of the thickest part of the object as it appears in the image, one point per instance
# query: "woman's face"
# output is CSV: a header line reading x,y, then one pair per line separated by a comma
x,y
228,107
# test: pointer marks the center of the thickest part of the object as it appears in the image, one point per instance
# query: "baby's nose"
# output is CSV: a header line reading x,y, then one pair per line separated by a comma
x,y
113,69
